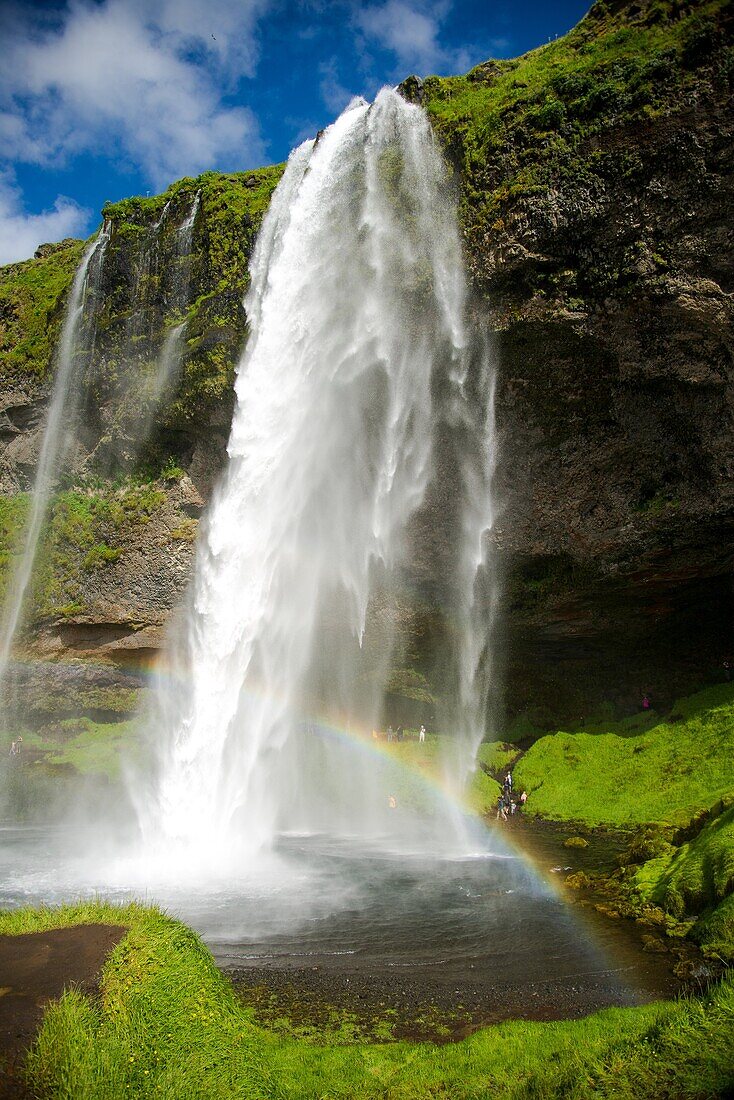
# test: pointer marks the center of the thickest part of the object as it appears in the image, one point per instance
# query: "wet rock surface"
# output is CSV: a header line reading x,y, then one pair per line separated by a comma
x,y
323,1002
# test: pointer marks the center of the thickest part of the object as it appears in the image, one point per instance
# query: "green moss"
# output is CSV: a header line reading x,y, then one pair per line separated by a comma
x,y
94,748
695,876
32,300
639,770
101,555
85,532
575,842
231,208
714,931
13,513
497,756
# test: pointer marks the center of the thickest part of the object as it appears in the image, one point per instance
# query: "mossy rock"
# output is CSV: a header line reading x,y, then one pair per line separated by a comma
x,y
654,945
575,842
578,881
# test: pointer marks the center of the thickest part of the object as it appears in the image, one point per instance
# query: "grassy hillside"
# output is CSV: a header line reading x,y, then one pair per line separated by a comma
x,y
671,784
32,298
167,1024
640,770
698,878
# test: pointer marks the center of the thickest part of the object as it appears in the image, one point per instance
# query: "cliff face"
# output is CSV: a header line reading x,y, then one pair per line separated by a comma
x,y
163,327
595,189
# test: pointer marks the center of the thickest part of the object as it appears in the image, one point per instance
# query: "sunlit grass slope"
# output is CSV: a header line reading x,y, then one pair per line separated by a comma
x,y
698,878
634,772
32,296
168,1024
673,782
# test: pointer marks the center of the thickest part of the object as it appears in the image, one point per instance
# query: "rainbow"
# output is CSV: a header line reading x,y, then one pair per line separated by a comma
x,y
369,743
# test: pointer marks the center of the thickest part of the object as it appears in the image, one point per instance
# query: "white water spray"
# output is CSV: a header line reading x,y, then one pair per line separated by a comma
x,y
356,309
57,437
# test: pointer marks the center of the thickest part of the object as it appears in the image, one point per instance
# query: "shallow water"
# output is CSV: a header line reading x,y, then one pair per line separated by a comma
x,y
481,922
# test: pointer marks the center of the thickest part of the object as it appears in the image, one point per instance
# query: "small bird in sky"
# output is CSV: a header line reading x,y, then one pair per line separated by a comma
x,y
214,38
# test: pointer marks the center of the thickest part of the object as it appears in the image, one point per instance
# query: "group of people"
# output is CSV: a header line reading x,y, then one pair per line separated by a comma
x,y
507,803
15,746
399,733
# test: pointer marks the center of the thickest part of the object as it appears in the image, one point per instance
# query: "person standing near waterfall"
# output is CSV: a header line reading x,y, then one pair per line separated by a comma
x,y
422,734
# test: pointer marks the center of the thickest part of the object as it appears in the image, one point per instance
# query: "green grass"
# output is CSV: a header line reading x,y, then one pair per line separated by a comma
x,y
640,770
167,1024
497,756
82,530
95,748
87,747
422,769
32,300
13,513
658,778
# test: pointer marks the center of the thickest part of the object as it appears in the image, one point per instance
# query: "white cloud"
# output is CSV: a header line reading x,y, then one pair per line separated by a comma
x,y
411,31
21,233
138,79
333,93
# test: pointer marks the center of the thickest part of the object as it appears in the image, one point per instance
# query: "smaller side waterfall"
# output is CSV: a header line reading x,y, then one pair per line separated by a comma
x,y
58,434
146,351
169,357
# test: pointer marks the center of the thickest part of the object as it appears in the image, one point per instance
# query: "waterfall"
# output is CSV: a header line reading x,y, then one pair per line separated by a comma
x,y
358,345
148,381
169,357
58,434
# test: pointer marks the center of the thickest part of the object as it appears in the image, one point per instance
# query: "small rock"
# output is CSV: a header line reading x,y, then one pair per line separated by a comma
x,y
575,842
654,945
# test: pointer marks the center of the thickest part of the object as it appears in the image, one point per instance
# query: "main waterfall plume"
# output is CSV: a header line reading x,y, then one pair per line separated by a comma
x,y
358,349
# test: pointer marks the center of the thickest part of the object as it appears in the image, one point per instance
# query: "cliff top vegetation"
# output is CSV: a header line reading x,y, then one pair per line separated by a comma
x,y
33,293
514,129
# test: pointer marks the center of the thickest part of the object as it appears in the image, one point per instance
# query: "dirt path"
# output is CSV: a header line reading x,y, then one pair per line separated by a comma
x,y
36,968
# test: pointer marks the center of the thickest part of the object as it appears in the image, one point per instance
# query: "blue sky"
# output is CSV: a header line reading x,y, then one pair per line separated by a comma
x,y
100,99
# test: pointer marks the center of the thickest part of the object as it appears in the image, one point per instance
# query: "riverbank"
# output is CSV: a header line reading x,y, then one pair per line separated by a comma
x,y
656,795
168,1024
